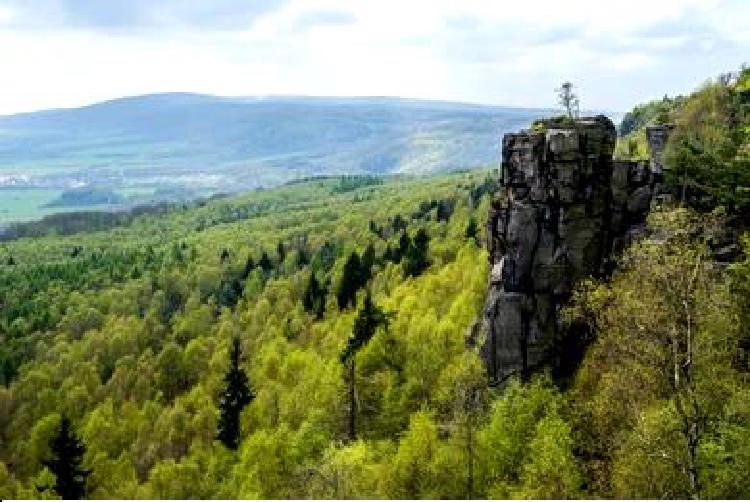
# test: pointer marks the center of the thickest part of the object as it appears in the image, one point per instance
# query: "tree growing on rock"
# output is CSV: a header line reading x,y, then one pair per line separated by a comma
x,y
568,99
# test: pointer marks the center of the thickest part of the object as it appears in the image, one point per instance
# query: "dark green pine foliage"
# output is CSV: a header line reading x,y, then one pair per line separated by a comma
x,y
265,262
65,463
415,260
350,282
369,318
368,261
236,396
472,230
314,299
230,292
445,208
388,254
303,257
249,266
398,223
404,243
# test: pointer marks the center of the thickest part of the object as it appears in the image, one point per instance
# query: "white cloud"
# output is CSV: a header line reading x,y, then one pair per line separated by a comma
x,y
473,50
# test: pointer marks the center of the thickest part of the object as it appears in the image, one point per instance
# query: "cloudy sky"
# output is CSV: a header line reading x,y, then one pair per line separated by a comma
x,y
56,53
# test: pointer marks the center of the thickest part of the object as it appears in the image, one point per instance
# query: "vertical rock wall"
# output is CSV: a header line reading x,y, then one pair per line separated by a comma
x,y
565,206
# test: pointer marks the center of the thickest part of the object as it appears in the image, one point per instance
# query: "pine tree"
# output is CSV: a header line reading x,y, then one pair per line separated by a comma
x,y
472,230
281,251
65,463
236,396
303,257
314,299
415,260
369,318
404,243
249,266
350,281
368,260
388,254
265,262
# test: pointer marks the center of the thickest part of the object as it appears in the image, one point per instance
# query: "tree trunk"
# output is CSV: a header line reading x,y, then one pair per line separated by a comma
x,y
352,402
470,451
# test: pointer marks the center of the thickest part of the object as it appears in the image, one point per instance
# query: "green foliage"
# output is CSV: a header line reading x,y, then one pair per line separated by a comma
x,y
707,156
369,318
128,331
649,403
704,152
658,111
236,396
472,230
351,183
139,360
65,463
415,258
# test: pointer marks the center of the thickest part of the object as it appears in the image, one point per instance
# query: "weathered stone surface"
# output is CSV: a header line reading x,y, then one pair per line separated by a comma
x,y
640,200
656,137
566,207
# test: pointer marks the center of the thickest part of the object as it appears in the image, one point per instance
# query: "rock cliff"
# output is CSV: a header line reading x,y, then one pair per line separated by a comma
x,y
564,209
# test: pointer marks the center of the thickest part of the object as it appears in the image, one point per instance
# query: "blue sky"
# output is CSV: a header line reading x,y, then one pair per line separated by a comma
x,y
57,53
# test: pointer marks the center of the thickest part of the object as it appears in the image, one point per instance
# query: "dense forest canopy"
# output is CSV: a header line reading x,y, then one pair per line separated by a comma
x,y
320,340
708,152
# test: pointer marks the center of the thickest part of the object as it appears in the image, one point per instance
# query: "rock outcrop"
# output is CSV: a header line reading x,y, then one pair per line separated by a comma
x,y
565,208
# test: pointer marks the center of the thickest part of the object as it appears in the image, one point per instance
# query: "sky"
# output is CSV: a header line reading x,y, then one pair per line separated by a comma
x,y
64,53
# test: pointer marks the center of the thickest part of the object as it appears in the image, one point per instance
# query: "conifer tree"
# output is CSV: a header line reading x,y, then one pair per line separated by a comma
x,y
236,396
65,463
472,230
368,260
369,318
303,257
350,281
249,266
314,299
265,262
404,243
415,260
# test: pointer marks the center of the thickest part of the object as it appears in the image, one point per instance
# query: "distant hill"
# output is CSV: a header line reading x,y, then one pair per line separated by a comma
x,y
238,143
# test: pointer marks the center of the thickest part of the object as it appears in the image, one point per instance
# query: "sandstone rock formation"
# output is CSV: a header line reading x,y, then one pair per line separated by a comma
x,y
565,207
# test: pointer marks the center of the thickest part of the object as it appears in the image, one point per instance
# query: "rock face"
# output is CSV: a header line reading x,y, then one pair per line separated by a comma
x,y
565,207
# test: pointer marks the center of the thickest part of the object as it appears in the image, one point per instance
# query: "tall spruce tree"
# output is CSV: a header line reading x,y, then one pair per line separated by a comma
x,y
350,281
265,262
415,260
472,230
314,299
65,463
368,261
236,396
369,318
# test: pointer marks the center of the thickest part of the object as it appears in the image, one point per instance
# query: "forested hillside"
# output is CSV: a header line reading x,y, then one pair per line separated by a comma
x,y
127,333
320,340
180,146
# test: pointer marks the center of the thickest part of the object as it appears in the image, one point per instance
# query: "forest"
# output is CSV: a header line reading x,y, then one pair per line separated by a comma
x,y
315,341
